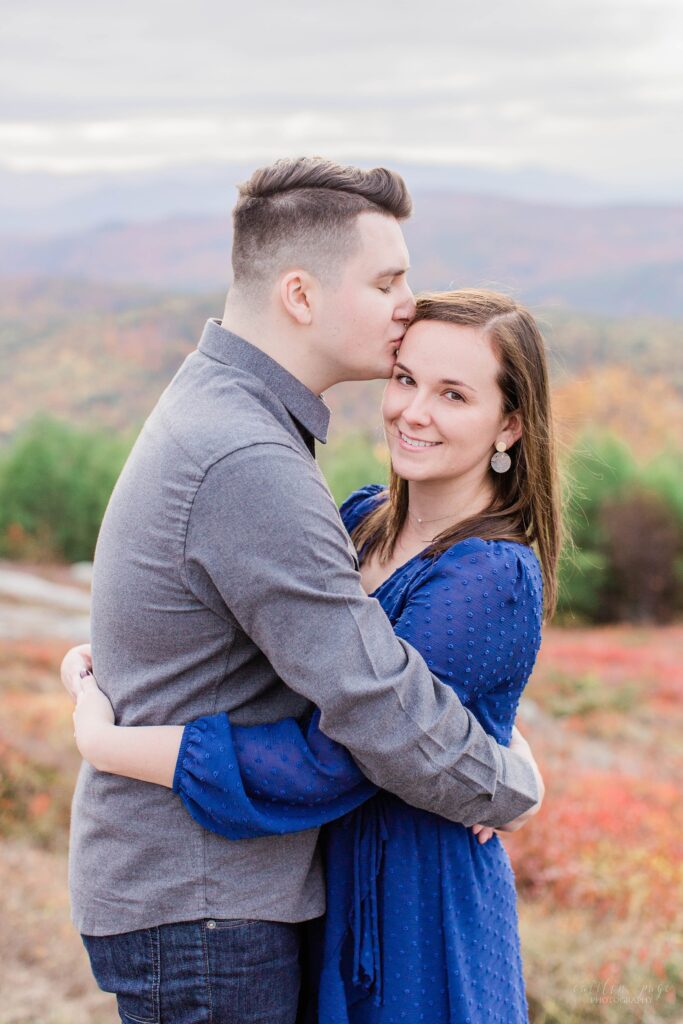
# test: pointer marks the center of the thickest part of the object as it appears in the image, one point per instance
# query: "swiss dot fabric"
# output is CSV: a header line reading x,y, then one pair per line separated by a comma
x,y
421,920
249,781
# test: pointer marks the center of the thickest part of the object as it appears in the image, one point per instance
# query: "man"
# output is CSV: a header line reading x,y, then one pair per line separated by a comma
x,y
224,581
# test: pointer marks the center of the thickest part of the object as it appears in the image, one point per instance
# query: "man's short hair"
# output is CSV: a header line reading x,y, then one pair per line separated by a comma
x,y
302,213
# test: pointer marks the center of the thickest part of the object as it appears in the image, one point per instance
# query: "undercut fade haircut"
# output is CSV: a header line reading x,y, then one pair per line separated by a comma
x,y
301,213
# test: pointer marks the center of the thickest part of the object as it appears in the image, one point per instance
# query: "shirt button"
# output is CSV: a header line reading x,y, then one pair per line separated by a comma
x,y
210,924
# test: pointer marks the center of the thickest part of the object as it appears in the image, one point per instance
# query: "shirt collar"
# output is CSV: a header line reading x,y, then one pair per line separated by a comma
x,y
309,409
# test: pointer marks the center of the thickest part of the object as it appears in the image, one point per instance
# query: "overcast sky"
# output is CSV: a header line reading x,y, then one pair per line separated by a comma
x,y
591,87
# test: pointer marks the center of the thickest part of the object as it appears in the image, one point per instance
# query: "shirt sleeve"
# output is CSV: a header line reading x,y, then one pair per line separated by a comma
x,y
265,534
249,781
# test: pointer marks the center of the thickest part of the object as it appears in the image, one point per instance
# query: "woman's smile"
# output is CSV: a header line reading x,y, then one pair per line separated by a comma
x,y
411,443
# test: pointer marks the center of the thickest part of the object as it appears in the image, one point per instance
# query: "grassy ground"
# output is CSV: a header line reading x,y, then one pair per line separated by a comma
x,y
44,972
599,870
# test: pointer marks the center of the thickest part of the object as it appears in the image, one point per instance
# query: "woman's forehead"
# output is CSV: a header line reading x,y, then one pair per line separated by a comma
x,y
443,350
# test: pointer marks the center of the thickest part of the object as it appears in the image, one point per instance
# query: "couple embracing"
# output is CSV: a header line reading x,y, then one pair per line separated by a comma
x,y
291,792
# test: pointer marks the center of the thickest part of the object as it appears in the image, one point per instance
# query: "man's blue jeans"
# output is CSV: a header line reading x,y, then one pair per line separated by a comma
x,y
201,972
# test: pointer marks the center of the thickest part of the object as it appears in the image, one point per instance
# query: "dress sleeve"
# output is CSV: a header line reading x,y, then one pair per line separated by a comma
x,y
250,781
359,504
475,617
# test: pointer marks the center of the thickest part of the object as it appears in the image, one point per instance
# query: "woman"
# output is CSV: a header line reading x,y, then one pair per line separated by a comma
x,y
421,916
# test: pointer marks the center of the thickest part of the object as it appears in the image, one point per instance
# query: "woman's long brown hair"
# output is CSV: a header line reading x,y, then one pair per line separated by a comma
x,y
526,505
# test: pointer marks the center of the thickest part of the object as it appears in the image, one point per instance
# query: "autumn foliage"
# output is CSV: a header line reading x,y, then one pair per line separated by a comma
x,y
599,870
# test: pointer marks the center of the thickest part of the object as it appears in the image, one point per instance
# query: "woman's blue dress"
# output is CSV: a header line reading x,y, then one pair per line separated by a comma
x,y
421,921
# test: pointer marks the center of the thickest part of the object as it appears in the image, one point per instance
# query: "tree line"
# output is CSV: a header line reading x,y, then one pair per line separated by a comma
x,y
623,560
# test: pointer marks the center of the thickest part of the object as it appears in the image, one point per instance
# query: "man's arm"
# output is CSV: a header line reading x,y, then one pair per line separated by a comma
x,y
151,754
264,533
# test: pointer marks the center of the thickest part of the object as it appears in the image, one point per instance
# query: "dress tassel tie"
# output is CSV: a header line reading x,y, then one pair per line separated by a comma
x,y
370,834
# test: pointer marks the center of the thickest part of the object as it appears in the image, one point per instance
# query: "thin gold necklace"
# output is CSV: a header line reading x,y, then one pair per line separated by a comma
x,y
418,523
439,519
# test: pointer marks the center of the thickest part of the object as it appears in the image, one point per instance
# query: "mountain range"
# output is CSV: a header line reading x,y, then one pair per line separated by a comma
x,y
96,315
100,355
608,260
39,203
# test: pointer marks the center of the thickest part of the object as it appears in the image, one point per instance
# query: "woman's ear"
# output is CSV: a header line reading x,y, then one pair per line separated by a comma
x,y
511,431
295,295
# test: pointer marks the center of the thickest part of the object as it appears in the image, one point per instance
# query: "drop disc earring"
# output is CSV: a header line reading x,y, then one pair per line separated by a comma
x,y
500,460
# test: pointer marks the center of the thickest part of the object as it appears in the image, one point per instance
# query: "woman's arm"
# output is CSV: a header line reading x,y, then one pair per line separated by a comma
x,y
278,761
147,753
240,781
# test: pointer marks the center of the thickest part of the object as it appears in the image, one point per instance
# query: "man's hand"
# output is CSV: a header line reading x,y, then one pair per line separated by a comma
x,y
77,664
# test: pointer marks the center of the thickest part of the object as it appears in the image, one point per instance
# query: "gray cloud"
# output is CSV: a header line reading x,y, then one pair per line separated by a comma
x,y
592,87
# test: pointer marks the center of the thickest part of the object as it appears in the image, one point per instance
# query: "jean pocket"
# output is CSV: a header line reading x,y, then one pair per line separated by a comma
x,y
128,966
231,923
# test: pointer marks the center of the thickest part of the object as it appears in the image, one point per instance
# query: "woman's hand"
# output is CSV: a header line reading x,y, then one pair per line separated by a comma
x,y
520,745
147,753
76,664
93,720
483,832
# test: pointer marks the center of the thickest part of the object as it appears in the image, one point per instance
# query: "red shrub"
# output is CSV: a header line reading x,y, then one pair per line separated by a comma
x,y
610,842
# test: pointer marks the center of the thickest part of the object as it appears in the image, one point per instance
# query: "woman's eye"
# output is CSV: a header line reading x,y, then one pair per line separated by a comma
x,y
386,290
455,396
403,378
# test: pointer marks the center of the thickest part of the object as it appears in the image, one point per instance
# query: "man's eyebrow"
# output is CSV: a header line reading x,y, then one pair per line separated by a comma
x,y
393,272
444,380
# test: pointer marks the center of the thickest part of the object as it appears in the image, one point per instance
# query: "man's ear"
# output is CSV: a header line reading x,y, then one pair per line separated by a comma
x,y
295,293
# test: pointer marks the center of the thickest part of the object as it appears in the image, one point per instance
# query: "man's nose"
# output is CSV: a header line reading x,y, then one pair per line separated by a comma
x,y
406,308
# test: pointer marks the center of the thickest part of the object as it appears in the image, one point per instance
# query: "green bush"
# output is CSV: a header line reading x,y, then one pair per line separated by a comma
x,y
55,482
597,469
664,476
582,574
625,527
350,462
